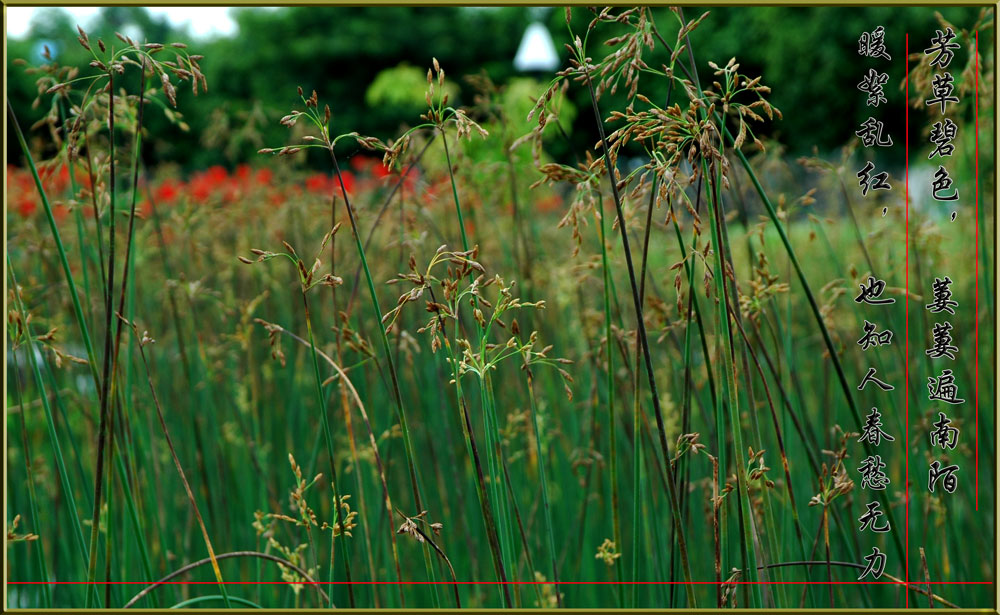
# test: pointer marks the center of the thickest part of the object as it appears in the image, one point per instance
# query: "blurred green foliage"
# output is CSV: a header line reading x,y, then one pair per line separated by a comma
x,y
402,87
807,55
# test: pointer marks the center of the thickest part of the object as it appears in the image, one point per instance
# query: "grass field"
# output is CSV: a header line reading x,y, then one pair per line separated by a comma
x,y
440,358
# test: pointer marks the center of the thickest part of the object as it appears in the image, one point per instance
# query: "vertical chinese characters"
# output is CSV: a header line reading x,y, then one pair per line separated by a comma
x,y
873,436
942,388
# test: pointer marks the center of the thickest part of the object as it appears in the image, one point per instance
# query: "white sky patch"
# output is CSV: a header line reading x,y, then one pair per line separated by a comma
x,y
202,21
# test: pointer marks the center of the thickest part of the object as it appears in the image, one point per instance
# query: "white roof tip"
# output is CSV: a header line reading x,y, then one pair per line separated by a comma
x,y
536,51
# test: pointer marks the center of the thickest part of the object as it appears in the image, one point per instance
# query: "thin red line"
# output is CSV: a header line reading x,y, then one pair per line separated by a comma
x,y
906,239
900,582
977,270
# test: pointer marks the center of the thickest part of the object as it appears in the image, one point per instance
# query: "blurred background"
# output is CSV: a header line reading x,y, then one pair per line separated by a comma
x,y
369,63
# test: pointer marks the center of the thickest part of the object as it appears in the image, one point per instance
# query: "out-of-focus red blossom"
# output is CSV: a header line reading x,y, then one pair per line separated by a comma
x,y
55,178
317,182
22,193
230,191
379,171
168,191
200,189
320,183
82,178
215,186
370,165
204,184
348,178
26,206
217,174
60,212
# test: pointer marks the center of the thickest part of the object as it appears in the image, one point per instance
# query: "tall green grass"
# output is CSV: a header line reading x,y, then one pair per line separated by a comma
x,y
711,341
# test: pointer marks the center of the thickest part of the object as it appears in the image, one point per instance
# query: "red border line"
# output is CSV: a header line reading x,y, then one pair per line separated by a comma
x,y
906,240
905,582
900,582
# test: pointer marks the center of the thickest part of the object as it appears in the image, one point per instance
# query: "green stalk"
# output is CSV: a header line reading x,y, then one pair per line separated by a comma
x,y
50,423
43,573
77,217
734,313
63,261
387,349
359,483
500,509
110,526
180,472
490,420
814,308
720,275
544,484
612,428
828,341
484,502
671,483
486,509
126,277
325,421
520,526
454,192
190,367
105,381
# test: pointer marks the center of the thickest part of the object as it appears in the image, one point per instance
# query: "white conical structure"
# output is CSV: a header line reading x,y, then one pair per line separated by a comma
x,y
536,51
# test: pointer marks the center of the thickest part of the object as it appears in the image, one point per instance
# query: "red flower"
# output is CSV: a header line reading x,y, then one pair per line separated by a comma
x,y
217,174
82,178
26,206
348,179
201,189
379,170
264,176
168,191
60,212
317,182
